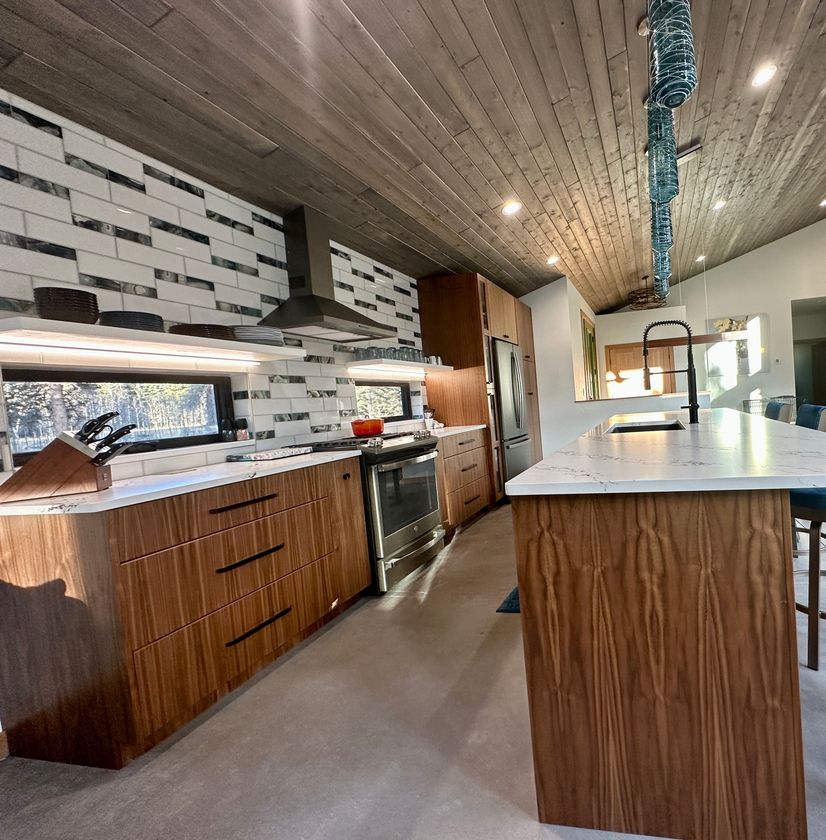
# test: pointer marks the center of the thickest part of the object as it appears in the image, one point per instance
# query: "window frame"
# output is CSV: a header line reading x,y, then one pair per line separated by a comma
x,y
221,385
407,404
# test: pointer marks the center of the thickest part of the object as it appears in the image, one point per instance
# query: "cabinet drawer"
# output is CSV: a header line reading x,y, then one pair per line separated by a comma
x,y
143,529
174,587
468,500
454,444
466,467
201,661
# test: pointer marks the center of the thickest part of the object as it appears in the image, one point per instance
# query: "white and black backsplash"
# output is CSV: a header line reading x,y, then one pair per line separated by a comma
x,y
79,208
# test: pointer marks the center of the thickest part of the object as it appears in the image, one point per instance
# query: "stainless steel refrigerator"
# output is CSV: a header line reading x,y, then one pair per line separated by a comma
x,y
513,408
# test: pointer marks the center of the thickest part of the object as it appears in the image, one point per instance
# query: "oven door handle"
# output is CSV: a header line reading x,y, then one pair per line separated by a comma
x,y
437,535
395,465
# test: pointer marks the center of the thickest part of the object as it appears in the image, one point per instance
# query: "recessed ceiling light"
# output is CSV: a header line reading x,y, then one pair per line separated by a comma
x,y
764,75
553,260
701,258
512,207
719,205
823,203
121,210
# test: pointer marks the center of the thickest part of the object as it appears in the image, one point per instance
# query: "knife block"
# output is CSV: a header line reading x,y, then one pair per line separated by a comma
x,y
61,468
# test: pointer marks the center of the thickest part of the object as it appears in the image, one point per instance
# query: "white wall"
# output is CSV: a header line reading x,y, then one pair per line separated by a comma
x,y
764,281
555,310
576,306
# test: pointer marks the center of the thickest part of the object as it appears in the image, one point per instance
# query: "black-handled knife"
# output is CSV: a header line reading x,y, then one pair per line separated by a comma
x,y
107,454
91,427
115,436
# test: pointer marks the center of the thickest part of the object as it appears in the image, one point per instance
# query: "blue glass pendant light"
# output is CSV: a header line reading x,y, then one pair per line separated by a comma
x,y
662,236
662,271
672,65
663,184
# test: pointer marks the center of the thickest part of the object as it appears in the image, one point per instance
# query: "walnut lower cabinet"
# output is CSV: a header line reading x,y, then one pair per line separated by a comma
x,y
117,628
464,477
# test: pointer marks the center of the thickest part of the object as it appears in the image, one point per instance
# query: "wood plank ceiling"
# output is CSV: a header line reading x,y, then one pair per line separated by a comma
x,y
411,122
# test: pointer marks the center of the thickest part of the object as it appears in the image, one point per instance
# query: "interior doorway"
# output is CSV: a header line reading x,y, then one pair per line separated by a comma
x,y
809,337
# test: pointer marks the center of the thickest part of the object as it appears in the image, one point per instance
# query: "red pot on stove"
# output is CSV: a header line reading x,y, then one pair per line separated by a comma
x,y
367,428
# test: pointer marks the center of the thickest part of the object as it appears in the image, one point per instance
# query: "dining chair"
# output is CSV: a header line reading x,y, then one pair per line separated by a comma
x,y
810,505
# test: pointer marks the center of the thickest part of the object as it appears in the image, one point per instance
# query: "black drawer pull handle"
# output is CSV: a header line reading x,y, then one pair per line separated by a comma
x,y
237,505
463,442
471,501
258,627
471,467
238,563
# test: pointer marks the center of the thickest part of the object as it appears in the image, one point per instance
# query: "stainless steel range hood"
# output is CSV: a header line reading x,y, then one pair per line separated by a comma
x,y
312,310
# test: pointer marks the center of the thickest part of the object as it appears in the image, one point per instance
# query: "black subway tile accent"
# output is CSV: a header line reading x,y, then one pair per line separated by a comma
x,y
271,261
345,380
321,360
388,301
160,224
328,427
263,220
118,286
244,269
103,172
18,241
111,230
404,317
30,119
319,393
343,348
363,274
402,291
339,285
407,342
24,307
184,280
172,180
364,305
289,341
8,174
126,181
383,273
283,379
343,254
268,435
226,220
223,306
260,395
240,395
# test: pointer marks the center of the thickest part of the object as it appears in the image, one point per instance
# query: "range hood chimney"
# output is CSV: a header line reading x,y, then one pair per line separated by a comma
x,y
311,310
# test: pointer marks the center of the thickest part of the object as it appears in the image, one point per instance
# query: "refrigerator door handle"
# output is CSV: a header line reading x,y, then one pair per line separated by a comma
x,y
517,405
519,383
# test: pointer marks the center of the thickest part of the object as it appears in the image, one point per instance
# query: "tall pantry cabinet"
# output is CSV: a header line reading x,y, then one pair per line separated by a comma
x,y
460,316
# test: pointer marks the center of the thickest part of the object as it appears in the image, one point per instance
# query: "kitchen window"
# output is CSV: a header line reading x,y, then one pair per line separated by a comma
x,y
170,410
388,400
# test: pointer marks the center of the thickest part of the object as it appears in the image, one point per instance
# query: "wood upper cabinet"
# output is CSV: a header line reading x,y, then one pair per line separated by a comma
x,y
532,398
524,330
502,321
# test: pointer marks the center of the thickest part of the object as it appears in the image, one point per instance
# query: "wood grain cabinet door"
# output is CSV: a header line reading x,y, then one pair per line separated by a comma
x,y
524,330
501,313
174,587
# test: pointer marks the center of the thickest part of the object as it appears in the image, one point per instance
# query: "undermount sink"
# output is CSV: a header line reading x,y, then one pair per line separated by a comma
x,y
649,426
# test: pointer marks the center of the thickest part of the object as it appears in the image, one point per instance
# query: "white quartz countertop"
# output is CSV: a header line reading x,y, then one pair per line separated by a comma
x,y
727,450
447,431
134,491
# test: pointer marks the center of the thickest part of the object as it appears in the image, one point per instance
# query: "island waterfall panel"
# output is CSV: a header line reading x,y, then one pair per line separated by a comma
x,y
661,659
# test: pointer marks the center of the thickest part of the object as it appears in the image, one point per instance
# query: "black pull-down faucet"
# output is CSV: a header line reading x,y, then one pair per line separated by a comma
x,y
690,371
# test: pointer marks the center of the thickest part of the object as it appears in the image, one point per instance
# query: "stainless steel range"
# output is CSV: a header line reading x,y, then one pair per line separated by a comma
x,y
401,501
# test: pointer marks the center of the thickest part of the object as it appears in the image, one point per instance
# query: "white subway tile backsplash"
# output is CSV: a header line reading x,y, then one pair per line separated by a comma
x,y
25,135
97,153
210,272
232,252
72,236
61,173
16,286
11,220
175,244
146,255
107,211
230,209
283,401
135,200
42,265
172,195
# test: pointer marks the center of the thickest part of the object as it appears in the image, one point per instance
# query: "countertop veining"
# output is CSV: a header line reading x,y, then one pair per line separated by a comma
x,y
447,431
727,450
134,491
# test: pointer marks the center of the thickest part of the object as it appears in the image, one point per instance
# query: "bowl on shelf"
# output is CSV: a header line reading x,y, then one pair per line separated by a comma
x,y
58,303
259,335
367,428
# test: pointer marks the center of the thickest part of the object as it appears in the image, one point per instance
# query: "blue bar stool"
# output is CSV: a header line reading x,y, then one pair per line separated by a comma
x,y
778,411
810,505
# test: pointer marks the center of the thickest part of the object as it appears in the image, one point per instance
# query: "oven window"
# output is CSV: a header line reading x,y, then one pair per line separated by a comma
x,y
406,493
389,400
170,410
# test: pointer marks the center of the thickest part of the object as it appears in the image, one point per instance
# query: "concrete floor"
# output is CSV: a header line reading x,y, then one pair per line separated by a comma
x,y
404,719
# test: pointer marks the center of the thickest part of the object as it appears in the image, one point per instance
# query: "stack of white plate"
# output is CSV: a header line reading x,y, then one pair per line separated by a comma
x,y
259,335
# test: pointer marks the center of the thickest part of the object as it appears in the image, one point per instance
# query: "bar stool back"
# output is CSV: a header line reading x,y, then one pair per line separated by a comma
x,y
810,505
778,411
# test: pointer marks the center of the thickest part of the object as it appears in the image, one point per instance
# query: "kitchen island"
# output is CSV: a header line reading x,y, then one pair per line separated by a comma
x,y
657,603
